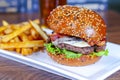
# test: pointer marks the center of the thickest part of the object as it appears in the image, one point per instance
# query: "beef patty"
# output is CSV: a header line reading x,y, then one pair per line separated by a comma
x,y
83,50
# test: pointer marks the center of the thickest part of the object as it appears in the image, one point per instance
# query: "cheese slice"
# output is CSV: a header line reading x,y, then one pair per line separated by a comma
x,y
78,43
71,41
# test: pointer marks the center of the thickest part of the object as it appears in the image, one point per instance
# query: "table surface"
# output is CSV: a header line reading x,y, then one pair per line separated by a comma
x,y
11,70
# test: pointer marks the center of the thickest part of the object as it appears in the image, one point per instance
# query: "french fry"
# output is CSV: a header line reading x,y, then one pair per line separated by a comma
x,y
5,23
27,32
35,49
12,40
18,50
6,38
39,30
26,23
30,37
8,30
17,39
2,33
23,38
15,26
34,33
27,44
25,51
36,21
2,28
11,49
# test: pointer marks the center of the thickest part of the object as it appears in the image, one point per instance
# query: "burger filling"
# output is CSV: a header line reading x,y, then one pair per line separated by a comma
x,y
73,47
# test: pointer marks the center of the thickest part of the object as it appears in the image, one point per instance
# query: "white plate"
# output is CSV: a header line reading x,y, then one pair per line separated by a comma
x,y
98,71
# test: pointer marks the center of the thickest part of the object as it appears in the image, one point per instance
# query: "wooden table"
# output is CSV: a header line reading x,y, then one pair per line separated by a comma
x,y
11,70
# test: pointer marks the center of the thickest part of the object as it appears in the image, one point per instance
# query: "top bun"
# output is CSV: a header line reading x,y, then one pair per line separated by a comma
x,y
79,22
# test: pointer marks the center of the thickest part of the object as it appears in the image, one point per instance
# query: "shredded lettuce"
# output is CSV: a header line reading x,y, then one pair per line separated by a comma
x,y
69,54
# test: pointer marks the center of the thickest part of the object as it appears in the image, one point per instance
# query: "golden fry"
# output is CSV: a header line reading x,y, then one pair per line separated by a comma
x,y
5,23
15,26
15,33
12,40
2,33
26,23
27,32
35,49
34,33
36,21
18,50
26,51
8,30
17,39
3,28
27,44
22,37
11,49
30,37
39,30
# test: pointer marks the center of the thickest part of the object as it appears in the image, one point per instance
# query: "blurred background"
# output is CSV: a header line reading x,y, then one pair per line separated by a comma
x,y
30,6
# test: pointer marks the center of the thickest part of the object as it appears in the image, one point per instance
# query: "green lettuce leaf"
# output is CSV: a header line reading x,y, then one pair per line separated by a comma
x,y
50,48
101,53
69,54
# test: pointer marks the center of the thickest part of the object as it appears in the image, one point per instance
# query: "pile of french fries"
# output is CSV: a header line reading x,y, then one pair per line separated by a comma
x,y
24,38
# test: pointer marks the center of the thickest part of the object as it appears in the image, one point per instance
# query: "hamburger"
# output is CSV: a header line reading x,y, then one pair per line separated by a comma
x,y
78,38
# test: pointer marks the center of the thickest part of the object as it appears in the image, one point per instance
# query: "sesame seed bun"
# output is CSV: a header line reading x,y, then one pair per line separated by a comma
x,y
82,61
79,22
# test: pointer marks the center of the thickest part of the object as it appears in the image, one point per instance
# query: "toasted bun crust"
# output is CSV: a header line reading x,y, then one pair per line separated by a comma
x,y
78,22
82,61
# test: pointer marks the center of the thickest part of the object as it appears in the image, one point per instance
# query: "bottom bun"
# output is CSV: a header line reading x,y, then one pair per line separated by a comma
x,y
82,61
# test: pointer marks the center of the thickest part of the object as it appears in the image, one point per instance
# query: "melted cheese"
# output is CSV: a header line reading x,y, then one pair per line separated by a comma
x,y
78,43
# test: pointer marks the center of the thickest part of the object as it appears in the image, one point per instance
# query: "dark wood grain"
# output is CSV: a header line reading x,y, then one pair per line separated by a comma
x,y
11,70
